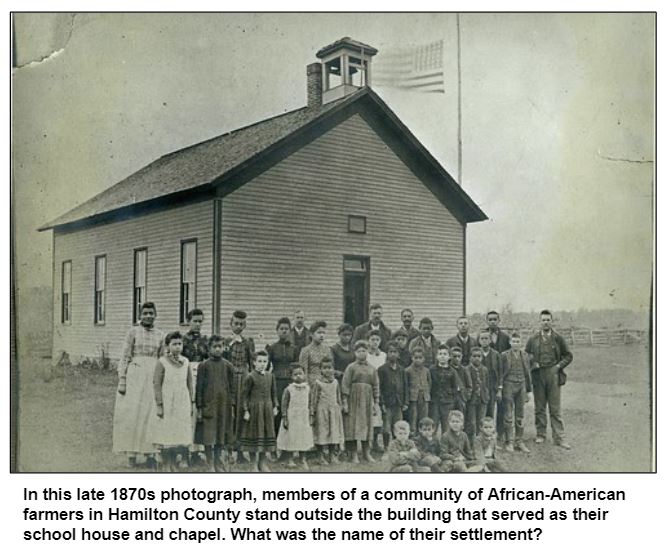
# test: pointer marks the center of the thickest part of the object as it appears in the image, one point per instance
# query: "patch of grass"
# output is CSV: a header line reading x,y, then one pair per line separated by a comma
x,y
65,424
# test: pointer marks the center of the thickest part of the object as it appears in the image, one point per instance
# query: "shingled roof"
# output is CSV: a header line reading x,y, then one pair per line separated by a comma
x,y
205,163
194,165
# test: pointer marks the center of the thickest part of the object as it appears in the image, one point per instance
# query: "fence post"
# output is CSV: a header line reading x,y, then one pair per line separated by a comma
x,y
591,337
571,336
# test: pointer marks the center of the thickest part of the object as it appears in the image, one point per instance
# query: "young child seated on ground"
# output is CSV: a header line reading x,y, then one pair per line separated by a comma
x,y
429,446
402,451
485,447
455,450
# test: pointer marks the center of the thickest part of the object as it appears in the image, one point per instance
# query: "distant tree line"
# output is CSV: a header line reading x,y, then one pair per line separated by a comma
x,y
580,318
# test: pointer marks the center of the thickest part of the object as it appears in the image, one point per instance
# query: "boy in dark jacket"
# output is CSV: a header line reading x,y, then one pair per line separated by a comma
x,y
392,383
445,389
476,404
515,390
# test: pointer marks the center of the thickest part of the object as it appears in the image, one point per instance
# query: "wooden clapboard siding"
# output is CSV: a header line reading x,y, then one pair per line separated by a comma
x,y
284,235
161,233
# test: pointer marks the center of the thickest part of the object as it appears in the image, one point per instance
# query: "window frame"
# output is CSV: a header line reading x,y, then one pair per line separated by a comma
x,y
357,219
188,304
99,321
136,306
66,306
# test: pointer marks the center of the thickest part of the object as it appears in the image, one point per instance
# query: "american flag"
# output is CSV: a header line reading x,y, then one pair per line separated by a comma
x,y
418,68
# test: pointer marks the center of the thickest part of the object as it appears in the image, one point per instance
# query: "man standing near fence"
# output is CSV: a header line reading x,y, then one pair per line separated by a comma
x,y
549,356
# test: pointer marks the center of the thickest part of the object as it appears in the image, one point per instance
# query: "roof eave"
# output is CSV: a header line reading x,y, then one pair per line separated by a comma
x,y
472,213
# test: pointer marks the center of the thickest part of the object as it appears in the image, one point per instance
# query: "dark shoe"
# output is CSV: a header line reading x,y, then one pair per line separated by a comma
x,y
564,445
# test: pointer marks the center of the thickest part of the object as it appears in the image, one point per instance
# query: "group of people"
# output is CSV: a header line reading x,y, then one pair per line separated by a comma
x,y
423,404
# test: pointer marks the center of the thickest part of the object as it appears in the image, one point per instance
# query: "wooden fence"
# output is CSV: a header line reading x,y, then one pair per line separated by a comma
x,y
595,337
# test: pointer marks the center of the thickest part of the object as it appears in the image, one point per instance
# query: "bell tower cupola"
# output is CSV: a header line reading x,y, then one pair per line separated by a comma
x,y
346,67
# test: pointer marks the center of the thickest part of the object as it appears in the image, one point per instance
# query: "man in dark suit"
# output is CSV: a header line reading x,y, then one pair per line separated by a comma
x,y
463,339
375,323
500,341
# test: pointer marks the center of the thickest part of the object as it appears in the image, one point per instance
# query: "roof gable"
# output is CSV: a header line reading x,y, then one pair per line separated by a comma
x,y
222,164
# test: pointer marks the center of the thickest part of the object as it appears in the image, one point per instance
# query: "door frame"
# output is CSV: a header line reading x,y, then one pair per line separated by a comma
x,y
367,282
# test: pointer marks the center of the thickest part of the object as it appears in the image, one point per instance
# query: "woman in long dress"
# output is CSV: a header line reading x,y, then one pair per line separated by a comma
x,y
134,401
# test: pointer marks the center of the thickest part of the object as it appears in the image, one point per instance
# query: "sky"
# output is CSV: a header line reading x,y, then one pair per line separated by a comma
x,y
557,129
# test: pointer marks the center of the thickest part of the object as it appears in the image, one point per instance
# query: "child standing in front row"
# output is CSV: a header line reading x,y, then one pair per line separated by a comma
x,y
418,389
392,382
259,401
445,389
173,393
515,390
360,393
376,358
464,378
326,407
479,397
215,400
295,433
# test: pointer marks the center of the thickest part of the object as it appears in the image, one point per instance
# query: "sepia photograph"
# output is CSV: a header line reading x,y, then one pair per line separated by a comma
x,y
332,242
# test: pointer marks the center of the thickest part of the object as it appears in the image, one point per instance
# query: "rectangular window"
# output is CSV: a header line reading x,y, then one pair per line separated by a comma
x,y
187,278
65,299
100,289
140,282
357,224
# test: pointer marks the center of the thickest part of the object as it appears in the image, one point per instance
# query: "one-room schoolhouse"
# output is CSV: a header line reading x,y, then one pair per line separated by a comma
x,y
327,209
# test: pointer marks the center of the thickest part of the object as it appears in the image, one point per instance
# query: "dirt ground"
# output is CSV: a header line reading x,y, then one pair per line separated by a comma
x,y
65,420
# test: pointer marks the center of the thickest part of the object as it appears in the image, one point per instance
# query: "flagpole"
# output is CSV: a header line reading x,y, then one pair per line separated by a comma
x,y
458,24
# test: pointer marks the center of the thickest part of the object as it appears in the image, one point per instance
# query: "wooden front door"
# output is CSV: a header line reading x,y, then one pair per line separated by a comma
x,y
356,289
